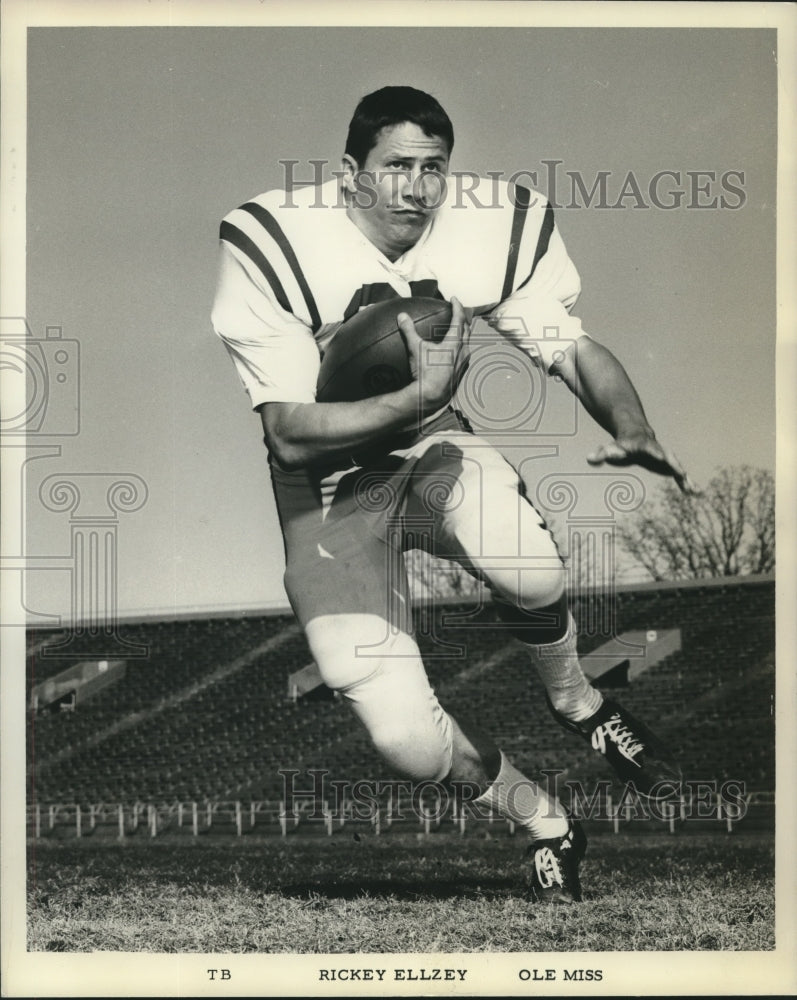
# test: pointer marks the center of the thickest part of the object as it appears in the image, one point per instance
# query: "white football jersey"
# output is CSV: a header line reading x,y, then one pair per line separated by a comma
x,y
294,266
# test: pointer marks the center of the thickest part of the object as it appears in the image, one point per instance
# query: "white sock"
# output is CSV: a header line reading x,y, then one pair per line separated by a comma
x,y
569,690
525,802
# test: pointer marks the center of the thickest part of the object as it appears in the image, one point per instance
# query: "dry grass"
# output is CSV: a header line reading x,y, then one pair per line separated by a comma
x,y
398,894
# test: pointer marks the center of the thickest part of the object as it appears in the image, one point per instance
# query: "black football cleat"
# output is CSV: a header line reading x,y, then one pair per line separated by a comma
x,y
554,867
637,755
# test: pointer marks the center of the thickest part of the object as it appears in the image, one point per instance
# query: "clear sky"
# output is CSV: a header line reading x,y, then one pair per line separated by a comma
x,y
141,139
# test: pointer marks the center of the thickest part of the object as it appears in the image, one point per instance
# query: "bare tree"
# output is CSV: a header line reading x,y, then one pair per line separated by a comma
x,y
729,530
431,576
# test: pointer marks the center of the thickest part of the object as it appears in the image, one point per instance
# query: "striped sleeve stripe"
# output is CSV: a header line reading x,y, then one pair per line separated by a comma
x,y
542,241
272,227
522,199
237,238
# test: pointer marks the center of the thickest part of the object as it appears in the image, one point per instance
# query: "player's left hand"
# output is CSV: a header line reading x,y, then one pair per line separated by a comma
x,y
644,450
443,363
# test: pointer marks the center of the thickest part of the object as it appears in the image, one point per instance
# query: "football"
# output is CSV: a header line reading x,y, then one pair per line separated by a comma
x,y
367,356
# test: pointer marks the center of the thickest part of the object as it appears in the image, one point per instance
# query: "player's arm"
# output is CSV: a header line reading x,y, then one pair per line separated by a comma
x,y
536,318
278,361
604,388
301,434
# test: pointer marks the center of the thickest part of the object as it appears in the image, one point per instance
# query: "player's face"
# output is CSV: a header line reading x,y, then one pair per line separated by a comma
x,y
398,189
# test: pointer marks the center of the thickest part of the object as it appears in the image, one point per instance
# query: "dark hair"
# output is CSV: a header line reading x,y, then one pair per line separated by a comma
x,y
393,106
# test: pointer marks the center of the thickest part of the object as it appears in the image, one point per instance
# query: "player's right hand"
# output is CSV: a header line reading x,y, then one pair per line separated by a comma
x,y
644,450
437,368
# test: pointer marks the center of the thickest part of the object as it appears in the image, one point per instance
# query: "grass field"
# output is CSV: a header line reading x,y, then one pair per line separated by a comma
x,y
690,892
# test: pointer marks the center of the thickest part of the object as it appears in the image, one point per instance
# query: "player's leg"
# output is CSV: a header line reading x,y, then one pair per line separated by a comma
x,y
382,678
557,843
391,696
389,692
348,587
484,521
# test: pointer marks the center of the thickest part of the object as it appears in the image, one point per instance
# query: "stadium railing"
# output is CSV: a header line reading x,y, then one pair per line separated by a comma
x,y
622,812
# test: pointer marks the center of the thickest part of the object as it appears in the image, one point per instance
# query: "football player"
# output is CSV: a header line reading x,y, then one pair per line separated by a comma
x,y
349,476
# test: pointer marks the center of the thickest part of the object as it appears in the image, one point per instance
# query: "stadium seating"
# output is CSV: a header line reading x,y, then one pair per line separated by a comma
x,y
205,715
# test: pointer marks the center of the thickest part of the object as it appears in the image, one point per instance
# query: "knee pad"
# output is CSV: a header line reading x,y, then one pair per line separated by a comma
x,y
418,752
387,688
538,627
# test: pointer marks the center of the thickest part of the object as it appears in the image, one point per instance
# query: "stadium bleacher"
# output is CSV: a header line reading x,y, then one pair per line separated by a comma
x,y
206,714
